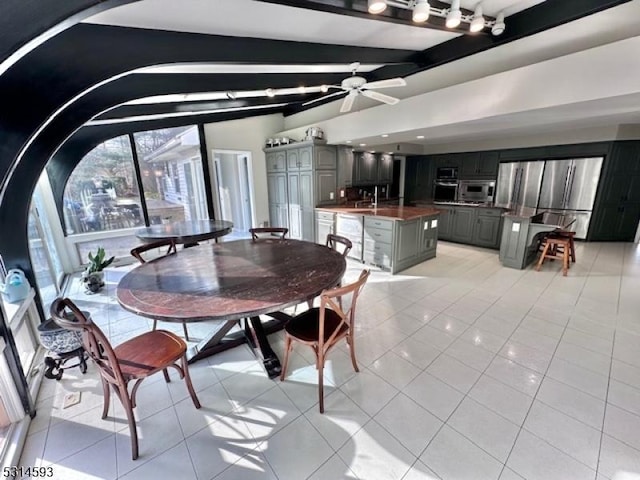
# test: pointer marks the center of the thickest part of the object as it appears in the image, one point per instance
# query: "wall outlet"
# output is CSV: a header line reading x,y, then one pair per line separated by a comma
x,y
342,193
71,399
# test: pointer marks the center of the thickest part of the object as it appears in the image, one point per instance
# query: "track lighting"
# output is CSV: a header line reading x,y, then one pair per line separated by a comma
x,y
477,24
454,16
324,88
421,11
377,6
270,92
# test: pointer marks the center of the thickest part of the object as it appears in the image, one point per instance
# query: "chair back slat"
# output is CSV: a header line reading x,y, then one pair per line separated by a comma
x,y
140,249
256,233
337,243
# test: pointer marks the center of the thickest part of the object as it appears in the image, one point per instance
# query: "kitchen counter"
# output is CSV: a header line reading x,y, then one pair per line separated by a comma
x,y
401,213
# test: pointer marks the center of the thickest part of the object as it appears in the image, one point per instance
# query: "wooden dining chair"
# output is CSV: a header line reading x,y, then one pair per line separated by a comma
x,y
323,327
341,245
170,244
258,232
131,361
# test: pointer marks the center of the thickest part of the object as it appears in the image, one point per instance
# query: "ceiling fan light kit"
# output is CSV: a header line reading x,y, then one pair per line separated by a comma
x,y
453,15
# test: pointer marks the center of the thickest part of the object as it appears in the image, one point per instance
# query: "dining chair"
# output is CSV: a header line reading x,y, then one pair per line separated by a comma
x,y
256,233
341,245
323,327
131,361
171,249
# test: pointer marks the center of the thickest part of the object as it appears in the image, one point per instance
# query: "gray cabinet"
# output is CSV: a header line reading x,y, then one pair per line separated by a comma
x,y
428,237
487,229
385,168
407,241
378,241
325,224
444,223
366,168
479,165
351,226
300,177
462,225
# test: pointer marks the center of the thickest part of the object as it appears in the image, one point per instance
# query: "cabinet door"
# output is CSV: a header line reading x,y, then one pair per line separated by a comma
x,y
305,158
428,236
326,157
323,228
407,240
326,186
486,231
295,221
293,159
487,165
385,168
283,216
277,184
294,188
444,224
307,227
463,223
306,189
366,168
276,161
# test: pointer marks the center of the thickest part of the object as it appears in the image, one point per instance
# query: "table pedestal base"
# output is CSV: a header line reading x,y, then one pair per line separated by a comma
x,y
220,340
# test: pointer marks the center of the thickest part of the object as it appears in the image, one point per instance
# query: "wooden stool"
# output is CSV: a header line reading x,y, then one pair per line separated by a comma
x,y
572,246
556,248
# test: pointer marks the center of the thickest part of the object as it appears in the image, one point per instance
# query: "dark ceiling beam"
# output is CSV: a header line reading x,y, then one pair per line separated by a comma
x,y
358,9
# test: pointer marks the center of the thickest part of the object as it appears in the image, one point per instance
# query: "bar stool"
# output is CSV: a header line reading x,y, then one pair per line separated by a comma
x,y
556,248
572,246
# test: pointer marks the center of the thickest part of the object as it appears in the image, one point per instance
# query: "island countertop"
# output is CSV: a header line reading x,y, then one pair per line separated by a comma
x,y
391,212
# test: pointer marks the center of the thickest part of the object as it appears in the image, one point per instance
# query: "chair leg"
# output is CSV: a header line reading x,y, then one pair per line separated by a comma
x,y
186,333
106,390
155,325
133,431
287,349
572,249
321,381
187,380
165,373
352,350
565,260
542,255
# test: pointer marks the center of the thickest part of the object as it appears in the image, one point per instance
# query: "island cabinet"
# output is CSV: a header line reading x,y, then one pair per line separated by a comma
x,y
487,228
378,241
300,176
471,225
351,226
325,224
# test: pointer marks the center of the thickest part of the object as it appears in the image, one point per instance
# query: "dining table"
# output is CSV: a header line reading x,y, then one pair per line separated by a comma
x,y
232,282
186,232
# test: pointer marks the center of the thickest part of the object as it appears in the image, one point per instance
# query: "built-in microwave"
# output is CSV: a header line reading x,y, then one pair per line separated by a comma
x,y
447,173
445,190
477,191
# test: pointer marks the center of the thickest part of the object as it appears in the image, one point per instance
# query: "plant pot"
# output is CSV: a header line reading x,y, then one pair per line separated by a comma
x,y
93,282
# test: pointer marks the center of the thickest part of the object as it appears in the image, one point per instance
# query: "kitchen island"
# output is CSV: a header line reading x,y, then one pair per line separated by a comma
x,y
391,237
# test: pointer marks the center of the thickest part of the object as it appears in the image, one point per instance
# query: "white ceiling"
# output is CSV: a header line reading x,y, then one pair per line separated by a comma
x,y
249,18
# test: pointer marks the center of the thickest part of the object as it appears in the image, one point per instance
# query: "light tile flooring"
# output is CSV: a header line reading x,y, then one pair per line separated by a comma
x,y
468,371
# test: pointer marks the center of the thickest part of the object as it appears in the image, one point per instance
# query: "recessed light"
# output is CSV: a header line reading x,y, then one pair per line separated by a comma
x,y
384,135
420,137
372,151
390,153
363,144
302,89
348,141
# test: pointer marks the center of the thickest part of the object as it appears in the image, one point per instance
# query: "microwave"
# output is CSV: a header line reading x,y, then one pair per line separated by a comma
x,y
482,191
447,173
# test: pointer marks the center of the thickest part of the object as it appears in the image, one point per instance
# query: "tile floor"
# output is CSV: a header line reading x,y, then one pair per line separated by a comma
x,y
468,371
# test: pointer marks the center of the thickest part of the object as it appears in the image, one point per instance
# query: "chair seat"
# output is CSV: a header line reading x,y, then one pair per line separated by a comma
x,y
148,353
306,326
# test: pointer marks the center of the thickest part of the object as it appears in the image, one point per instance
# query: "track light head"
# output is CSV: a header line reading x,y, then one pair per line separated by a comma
x,y
454,16
421,11
499,26
477,24
376,6
270,92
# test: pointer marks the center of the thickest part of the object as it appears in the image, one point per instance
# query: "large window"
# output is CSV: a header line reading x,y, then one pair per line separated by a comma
x,y
172,179
102,192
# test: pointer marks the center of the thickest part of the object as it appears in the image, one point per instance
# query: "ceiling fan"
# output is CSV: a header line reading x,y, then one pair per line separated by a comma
x,y
356,85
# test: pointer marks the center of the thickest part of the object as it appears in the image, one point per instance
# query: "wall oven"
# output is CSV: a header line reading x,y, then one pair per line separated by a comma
x,y
482,191
445,191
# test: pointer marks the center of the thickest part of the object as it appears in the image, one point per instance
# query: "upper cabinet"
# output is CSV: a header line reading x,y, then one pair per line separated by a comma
x,y
276,161
372,168
480,165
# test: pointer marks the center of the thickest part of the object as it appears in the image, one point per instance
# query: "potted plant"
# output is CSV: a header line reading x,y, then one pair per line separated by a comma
x,y
93,276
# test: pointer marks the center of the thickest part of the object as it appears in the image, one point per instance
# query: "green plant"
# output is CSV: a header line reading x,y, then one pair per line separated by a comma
x,y
97,263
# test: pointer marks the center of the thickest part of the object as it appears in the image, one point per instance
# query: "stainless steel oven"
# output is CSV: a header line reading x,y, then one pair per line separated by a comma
x,y
476,191
445,190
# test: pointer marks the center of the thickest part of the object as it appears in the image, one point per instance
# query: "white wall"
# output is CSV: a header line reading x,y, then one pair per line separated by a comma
x,y
248,134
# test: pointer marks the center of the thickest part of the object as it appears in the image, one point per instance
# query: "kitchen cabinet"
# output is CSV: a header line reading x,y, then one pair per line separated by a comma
x,y
428,237
325,224
300,177
418,183
366,168
444,223
378,240
480,165
351,226
462,224
486,231
385,168
617,208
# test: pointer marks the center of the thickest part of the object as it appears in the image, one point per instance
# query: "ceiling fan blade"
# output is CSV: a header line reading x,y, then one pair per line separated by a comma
x,y
348,101
324,97
381,97
391,82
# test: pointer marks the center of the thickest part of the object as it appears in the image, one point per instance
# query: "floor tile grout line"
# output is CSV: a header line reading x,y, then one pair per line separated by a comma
x,y
606,402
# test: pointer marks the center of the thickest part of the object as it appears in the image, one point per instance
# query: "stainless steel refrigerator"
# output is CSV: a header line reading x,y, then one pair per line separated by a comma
x,y
519,184
569,187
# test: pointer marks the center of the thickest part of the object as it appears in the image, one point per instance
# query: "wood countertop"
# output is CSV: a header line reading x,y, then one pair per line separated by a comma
x,y
391,212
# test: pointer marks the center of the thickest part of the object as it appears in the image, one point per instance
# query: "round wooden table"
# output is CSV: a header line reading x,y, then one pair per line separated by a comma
x,y
189,232
231,281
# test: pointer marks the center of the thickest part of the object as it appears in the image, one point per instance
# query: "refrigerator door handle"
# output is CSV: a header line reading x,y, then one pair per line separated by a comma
x,y
518,186
565,192
572,177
